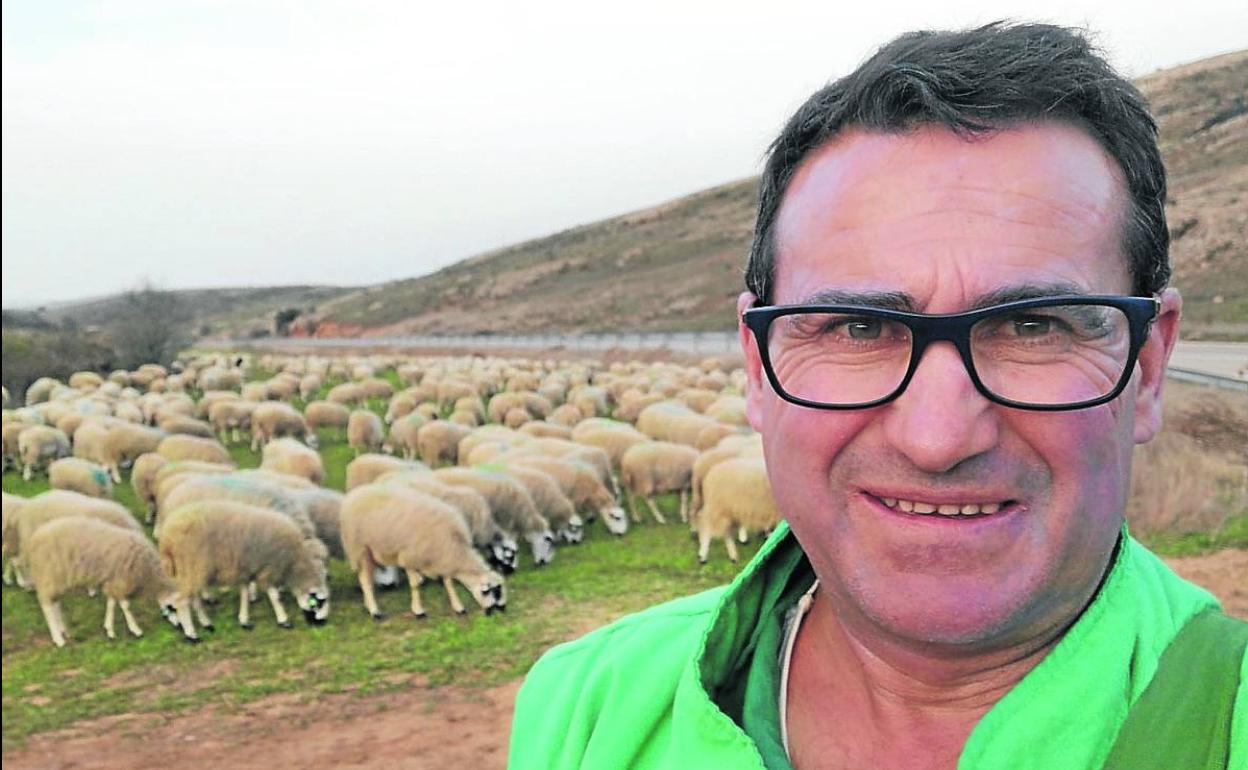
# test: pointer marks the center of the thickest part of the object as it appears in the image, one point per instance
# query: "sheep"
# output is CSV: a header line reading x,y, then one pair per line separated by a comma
x,y
652,467
10,513
365,431
404,434
324,509
12,453
222,542
78,475
593,456
511,506
143,480
374,387
401,405
251,490
393,525
545,429
499,548
551,502
204,450
40,390
60,503
186,426
285,455
74,553
368,467
737,493
326,414
439,441
613,437
346,393
747,446
567,415
123,443
467,419
582,485
273,420
39,444
502,403
673,421
516,417
169,475
309,385
470,404
228,417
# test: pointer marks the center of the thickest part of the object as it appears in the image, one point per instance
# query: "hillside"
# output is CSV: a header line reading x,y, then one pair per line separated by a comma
x,y
678,266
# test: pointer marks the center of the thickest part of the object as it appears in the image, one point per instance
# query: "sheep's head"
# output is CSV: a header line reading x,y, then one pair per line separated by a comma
x,y
543,545
615,519
309,583
311,440
491,593
169,608
503,554
574,531
315,606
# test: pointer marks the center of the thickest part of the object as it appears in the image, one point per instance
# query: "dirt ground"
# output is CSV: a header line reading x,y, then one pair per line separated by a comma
x,y
420,727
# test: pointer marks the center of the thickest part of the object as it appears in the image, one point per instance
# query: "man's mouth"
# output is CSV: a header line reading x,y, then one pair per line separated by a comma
x,y
923,507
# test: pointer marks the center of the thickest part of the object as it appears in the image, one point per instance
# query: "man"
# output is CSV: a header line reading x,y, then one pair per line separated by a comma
x,y
955,332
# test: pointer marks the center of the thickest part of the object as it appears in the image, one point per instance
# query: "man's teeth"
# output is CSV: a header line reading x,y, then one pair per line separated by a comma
x,y
947,509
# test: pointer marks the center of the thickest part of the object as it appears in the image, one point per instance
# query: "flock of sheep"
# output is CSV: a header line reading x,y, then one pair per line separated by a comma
x,y
473,457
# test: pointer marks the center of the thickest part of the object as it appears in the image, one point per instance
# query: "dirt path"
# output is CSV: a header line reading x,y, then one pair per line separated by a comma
x,y
421,727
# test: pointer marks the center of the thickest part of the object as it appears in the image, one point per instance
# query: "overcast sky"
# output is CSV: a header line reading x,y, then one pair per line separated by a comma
x,y
218,143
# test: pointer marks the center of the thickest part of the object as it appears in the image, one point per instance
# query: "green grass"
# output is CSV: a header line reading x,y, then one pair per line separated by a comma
x,y
1232,534
46,688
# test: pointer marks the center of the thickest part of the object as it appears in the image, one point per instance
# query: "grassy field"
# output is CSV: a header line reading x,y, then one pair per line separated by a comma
x,y
587,585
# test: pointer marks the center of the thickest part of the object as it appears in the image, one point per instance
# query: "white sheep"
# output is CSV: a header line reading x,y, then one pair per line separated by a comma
x,y
286,455
368,467
274,419
181,447
365,431
39,445
581,484
654,467
438,442
511,505
75,553
737,494
230,416
326,414
221,542
10,513
61,503
394,525
405,435
730,447
236,487
186,426
551,502
78,475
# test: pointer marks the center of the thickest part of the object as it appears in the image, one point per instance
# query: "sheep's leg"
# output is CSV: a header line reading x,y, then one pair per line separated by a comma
x,y
704,545
743,534
19,575
684,506
244,607
185,620
731,546
54,628
26,474
414,579
255,440
8,572
238,437
201,614
655,510
275,598
632,508
110,611
60,619
129,616
452,596
115,470
367,565
253,591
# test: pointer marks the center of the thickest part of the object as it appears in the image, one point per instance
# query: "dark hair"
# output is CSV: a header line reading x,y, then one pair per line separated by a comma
x,y
977,81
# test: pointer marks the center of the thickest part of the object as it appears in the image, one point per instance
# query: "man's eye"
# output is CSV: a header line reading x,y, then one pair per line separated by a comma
x,y
1032,326
864,329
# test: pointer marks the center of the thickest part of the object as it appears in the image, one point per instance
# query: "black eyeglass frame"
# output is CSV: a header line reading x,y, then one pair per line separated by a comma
x,y
956,328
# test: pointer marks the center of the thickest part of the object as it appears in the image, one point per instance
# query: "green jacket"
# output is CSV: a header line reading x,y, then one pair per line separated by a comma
x,y
651,689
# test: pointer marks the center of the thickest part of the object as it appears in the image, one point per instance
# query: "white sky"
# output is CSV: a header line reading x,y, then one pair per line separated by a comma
x,y
255,142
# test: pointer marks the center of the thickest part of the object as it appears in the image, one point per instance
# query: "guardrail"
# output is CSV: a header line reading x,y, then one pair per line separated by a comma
x,y
706,343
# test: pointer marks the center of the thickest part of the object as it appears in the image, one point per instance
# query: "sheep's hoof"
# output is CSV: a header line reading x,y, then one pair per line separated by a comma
x,y
420,615
211,601
286,624
191,639
378,616
246,626
137,634
207,626
462,611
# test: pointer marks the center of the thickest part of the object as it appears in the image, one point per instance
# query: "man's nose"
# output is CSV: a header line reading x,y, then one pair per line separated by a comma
x,y
941,419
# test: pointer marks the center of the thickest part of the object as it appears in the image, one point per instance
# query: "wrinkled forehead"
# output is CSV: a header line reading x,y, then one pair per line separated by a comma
x,y
931,213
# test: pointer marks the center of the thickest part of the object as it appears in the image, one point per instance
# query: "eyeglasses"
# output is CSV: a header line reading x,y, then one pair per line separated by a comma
x,y
1048,354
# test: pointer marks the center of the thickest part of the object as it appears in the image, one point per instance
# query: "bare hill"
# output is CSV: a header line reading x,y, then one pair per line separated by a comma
x,y
678,266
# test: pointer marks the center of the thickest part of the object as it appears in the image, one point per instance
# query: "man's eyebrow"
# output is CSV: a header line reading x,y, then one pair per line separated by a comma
x,y
1026,291
890,300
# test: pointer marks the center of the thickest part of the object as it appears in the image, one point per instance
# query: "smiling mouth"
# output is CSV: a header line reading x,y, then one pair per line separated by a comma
x,y
950,510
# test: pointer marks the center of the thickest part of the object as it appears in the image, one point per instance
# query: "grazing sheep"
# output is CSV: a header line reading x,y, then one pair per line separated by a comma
x,y
205,450
404,435
653,467
738,495
38,445
229,417
401,405
516,417
470,404
10,513
346,393
499,548
274,419
502,403
439,442
581,484
309,384
545,429
567,415
673,421
511,506
72,553
40,390
368,467
631,405
375,387
394,525
186,426
169,475
285,455
365,431
248,489
326,414
123,444
593,456
324,508
143,480
60,503
614,438
12,453
468,419
747,446
551,502
78,475
221,542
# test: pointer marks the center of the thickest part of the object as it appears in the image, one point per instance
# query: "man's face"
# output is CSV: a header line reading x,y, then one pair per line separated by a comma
x,y
945,221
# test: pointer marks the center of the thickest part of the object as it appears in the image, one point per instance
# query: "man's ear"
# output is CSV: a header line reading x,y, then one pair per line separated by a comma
x,y
1154,356
753,364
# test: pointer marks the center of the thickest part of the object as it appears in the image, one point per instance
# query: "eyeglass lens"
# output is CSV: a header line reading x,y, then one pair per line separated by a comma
x,y
1063,354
